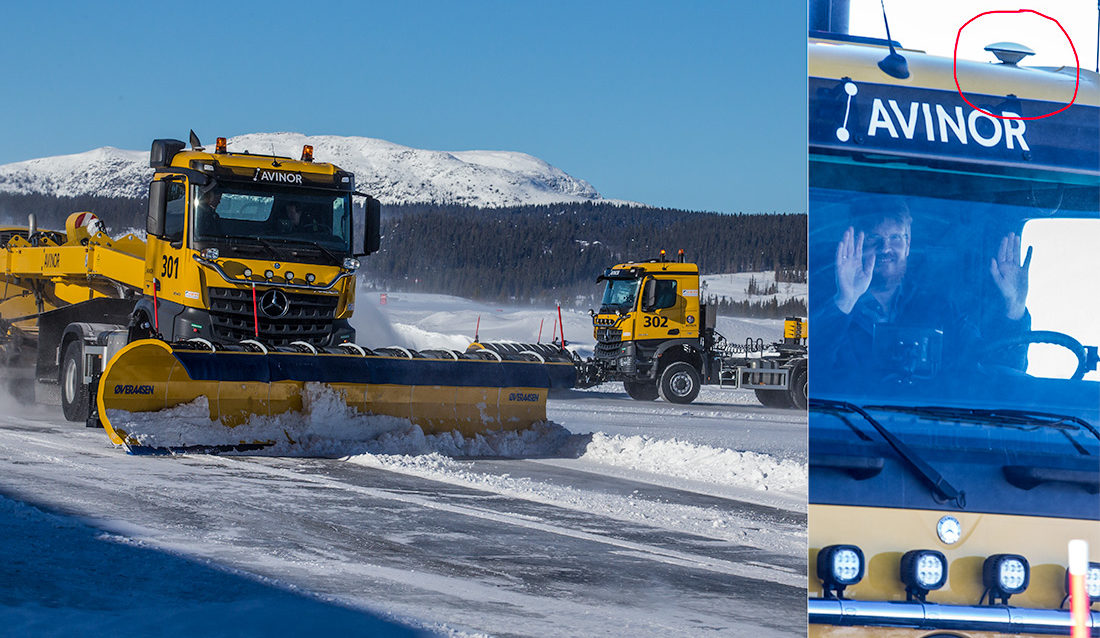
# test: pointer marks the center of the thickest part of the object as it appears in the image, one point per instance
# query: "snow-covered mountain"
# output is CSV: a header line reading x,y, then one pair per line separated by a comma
x,y
391,172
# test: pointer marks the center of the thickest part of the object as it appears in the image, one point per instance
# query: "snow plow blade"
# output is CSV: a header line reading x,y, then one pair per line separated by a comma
x,y
154,395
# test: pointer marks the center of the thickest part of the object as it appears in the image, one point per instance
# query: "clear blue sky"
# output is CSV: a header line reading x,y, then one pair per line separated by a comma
x,y
697,105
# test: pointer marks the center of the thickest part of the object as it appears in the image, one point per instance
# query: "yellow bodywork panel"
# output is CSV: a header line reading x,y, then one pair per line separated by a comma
x,y
884,534
859,62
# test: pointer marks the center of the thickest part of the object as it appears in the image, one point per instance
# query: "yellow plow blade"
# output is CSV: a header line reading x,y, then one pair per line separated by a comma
x,y
153,396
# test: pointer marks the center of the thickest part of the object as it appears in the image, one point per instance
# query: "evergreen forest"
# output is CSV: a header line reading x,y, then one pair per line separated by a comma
x,y
527,254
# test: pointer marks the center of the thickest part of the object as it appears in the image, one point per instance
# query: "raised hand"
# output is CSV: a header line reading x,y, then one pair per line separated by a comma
x,y
853,270
1011,276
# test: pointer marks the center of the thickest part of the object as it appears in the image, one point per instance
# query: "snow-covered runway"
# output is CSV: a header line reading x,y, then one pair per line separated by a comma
x,y
607,542
615,518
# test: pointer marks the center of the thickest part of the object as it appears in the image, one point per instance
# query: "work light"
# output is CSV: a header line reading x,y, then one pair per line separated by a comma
x,y
1005,575
922,571
310,278
289,276
351,263
211,254
1092,581
839,566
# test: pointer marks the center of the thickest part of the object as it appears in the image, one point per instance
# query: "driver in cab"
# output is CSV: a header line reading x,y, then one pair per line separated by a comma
x,y
296,220
880,316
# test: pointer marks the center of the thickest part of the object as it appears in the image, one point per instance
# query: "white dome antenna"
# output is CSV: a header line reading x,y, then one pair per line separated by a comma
x,y
1009,52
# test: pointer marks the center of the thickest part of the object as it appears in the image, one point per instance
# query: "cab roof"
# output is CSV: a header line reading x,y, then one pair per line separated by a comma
x,y
858,61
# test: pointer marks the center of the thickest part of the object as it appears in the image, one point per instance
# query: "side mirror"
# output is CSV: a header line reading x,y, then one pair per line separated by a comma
x,y
158,201
372,227
649,295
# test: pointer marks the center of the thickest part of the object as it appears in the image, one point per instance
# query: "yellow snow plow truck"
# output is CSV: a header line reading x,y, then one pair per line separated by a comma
x,y
653,334
233,313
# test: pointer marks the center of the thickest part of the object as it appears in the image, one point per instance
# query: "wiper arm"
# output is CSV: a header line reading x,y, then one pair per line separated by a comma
x,y
271,249
1009,417
302,240
328,252
935,480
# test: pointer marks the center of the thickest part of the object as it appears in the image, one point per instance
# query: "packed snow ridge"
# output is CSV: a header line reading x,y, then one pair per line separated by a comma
x,y
328,427
393,173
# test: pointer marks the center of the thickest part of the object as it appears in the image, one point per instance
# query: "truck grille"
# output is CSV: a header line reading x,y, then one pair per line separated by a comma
x,y
608,343
308,317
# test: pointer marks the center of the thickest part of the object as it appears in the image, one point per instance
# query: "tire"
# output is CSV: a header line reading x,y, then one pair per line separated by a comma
x,y
74,392
641,390
774,398
680,383
799,390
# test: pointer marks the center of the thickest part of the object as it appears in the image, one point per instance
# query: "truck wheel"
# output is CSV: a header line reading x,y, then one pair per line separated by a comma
x,y
74,392
799,390
641,390
680,383
774,398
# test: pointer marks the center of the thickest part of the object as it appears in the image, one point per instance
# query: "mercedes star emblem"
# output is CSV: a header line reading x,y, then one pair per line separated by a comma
x,y
274,304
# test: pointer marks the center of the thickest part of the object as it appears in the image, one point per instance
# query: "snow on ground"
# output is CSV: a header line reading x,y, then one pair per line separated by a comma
x,y
704,502
62,577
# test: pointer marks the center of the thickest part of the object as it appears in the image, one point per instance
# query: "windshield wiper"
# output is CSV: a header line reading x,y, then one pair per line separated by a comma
x,y
935,480
301,240
269,247
332,255
1023,419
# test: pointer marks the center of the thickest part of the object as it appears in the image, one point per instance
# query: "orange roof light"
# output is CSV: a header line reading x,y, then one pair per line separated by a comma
x,y
219,146
307,153
681,255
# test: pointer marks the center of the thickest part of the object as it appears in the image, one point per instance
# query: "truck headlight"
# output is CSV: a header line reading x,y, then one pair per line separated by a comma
x,y
922,571
351,263
210,254
1005,575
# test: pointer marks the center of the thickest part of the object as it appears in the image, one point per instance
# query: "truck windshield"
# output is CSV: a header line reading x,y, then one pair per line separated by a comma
x,y
951,308
620,294
297,216
935,286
